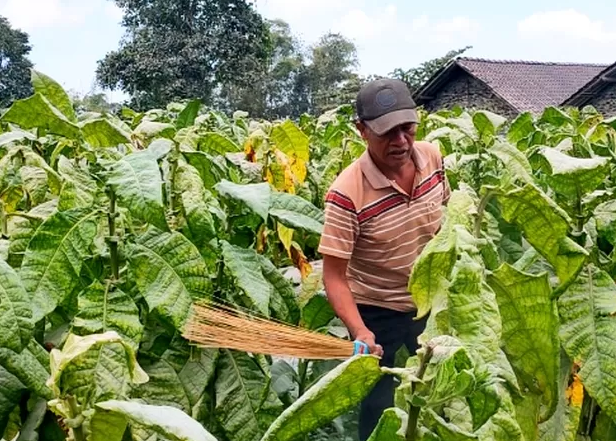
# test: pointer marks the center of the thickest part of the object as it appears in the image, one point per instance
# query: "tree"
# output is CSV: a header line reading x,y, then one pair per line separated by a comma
x,y
182,49
93,102
270,94
295,80
333,59
417,76
14,64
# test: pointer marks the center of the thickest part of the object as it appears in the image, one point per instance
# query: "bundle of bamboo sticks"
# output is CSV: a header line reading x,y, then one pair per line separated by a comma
x,y
218,326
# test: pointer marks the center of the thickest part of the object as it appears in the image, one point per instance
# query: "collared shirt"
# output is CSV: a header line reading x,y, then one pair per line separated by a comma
x,y
380,228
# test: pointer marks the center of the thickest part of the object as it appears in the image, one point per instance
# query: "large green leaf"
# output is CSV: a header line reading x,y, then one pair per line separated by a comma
x,y
514,161
291,140
556,117
444,429
574,177
170,273
95,368
503,425
341,389
137,181
106,308
588,325
52,264
178,377
317,312
215,143
103,133
432,270
21,230
521,127
51,90
473,312
34,183
296,212
563,424
15,136
211,170
37,112
605,219
487,124
150,129
188,115
391,426
30,366
245,402
82,184
545,225
167,422
193,194
283,300
11,391
530,330
15,311
257,197
245,267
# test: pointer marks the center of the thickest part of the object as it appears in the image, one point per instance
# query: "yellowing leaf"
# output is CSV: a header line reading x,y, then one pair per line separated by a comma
x,y
300,261
575,392
299,170
286,236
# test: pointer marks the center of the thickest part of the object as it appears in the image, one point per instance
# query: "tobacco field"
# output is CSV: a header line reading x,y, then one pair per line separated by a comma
x,y
113,225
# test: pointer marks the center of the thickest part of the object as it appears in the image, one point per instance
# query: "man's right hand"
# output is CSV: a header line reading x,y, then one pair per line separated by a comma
x,y
367,337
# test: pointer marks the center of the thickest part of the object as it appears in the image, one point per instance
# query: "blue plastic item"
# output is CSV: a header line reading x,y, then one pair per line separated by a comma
x,y
360,348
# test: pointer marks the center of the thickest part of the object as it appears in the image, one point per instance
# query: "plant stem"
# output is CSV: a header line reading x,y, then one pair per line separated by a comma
x,y
480,210
411,428
173,202
3,219
78,433
113,239
303,371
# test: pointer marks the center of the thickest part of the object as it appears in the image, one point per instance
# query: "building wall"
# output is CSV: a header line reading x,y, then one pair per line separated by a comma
x,y
466,91
605,101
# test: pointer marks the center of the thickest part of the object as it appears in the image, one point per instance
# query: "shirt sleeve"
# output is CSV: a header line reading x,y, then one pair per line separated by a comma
x,y
341,227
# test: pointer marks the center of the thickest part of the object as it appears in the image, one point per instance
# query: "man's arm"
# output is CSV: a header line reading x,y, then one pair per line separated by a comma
x,y
343,303
340,231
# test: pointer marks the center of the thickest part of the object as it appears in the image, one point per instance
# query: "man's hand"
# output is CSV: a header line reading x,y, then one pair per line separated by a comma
x,y
367,337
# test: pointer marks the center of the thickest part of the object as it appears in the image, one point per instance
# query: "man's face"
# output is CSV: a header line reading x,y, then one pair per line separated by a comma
x,y
391,150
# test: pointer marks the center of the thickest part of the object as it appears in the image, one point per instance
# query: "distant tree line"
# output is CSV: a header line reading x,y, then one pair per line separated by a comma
x,y
221,51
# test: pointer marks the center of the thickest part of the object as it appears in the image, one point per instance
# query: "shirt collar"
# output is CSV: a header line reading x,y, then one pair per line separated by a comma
x,y
376,178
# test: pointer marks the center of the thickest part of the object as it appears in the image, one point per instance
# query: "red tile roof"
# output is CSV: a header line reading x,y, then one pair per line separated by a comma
x,y
525,85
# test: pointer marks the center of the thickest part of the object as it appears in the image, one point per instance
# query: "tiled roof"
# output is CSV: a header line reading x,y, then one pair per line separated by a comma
x,y
582,96
526,85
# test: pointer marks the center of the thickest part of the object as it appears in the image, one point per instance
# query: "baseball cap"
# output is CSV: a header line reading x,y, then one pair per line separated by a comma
x,y
385,103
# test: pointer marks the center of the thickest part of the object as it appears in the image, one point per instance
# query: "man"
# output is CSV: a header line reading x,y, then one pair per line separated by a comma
x,y
379,214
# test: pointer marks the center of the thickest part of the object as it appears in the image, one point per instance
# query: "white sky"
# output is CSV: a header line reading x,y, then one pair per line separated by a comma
x,y
69,36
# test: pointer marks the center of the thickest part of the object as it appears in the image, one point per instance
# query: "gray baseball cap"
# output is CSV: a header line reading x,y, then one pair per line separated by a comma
x,y
384,104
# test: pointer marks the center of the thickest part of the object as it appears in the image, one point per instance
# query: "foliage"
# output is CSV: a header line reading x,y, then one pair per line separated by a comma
x,y
297,80
183,49
14,64
416,77
113,226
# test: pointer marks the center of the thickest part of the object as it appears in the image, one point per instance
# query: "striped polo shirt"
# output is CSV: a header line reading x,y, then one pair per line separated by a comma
x,y
380,228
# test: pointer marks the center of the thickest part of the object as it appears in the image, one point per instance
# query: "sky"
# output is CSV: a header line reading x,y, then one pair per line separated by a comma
x,y
69,36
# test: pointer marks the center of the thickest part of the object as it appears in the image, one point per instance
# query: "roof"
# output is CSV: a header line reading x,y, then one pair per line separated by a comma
x,y
583,95
525,85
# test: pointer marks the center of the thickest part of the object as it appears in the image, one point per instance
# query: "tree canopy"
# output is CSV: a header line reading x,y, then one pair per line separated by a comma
x,y
417,76
14,64
183,49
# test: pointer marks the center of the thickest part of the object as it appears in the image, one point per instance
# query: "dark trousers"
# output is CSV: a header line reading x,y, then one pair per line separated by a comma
x,y
392,330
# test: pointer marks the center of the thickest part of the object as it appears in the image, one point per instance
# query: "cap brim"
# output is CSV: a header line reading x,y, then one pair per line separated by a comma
x,y
385,123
